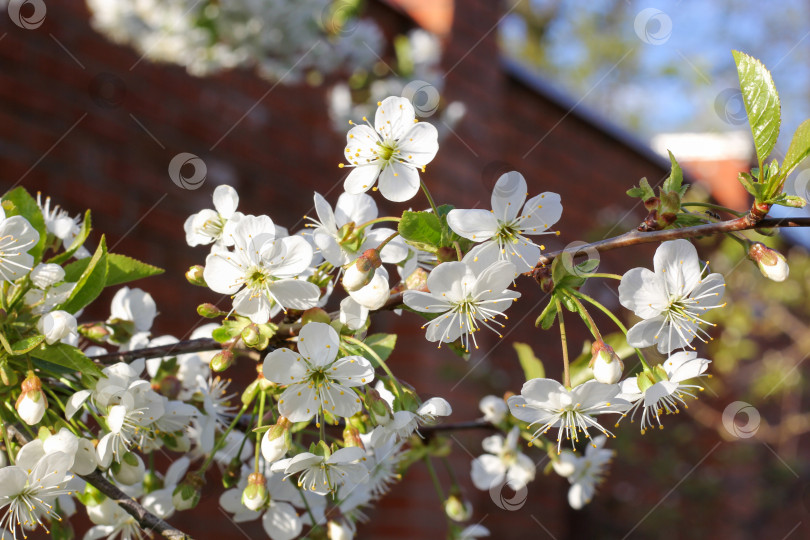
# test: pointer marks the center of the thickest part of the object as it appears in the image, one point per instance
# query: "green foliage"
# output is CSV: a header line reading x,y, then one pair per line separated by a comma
x,y
532,366
91,282
422,229
22,204
78,242
68,357
761,102
382,344
799,148
120,269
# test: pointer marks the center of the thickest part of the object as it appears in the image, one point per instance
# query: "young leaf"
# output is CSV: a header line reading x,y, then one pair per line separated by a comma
x,y
761,102
382,344
91,282
421,227
120,269
26,206
76,244
675,180
799,148
26,345
532,366
643,191
547,317
68,357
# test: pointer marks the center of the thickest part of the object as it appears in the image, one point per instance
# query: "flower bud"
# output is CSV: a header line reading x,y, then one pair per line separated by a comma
x,y
45,275
251,335
606,364
57,325
94,332
772,264
351,437
494,408
151,482
457,509
187,494
209,311
221,361
277,441
232,474
194,275
339,530
129,470
32,402
380,410
255,495
315,315
170,386
359,274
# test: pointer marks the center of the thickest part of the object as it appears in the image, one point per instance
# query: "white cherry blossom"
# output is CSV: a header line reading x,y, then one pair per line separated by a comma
x,y
215,226
17,238
503,462
325,474
584,472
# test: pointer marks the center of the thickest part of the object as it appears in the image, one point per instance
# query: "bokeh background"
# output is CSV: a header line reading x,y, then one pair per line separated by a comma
x,y
583,98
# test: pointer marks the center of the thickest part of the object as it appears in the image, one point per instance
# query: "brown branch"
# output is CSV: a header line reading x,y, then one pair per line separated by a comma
x,y
635,237
147,521
457,426
181,347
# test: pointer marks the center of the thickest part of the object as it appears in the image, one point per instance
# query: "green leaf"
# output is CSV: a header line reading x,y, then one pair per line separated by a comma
x,y
91,282
26,345
546,318
26,206
751,185
422,227
120,269
382,344
532,366
68,357
799,148
76,244
643,191
675,180
761,102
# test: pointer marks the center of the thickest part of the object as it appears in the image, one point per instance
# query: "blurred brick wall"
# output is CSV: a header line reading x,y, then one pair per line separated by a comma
x,y
110,153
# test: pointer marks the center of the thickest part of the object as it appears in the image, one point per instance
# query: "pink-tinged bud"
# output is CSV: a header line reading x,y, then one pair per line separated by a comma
x,y
170,386
315,315
94,332
606,364
255,495
221,361
359,274
32,402
194,275
351,437
772,264
277,440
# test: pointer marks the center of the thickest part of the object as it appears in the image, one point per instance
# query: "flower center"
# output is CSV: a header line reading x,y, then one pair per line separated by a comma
x,y
387,152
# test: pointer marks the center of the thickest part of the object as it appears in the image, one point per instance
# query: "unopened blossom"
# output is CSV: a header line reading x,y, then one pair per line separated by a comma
x,y
17,238
57,325
316,378
606,365
503,462
671,299
32,402
403,423
342,235
260,273
134,305
494,408
29,489
465,300
44,275
771,263
584,472
393,149
661,390
547,404
376,293
325,474
215,226
276,441
503,231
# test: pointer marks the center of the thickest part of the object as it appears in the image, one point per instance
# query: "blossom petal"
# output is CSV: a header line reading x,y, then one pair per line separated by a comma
x,y
12,481
677,261
361,178
299,402
540,213
641,291
495,278
352,371
644,333
487,471
508,196
356,208
223,273
420,144
75,403
281,521
283,366
225,200
293,257
295,293
450,280
477,225
318,343
425,302
399,182
394,117
340,400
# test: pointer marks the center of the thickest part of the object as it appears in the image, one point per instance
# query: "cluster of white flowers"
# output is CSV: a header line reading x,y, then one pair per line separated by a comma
x,y
282,41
